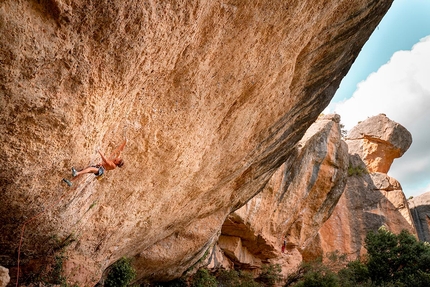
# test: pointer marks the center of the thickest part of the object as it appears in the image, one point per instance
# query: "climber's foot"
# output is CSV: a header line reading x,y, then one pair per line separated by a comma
x,y
69,183
74,172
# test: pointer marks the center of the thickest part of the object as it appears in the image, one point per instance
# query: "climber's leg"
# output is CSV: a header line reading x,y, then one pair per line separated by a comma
x,y
90,169
68,182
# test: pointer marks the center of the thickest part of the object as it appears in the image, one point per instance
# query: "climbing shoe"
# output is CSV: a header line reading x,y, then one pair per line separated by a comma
x,y
69,183
74,172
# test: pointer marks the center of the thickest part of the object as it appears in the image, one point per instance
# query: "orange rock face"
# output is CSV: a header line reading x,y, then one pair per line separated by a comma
x,y
294,204
378,141
371,198
212,96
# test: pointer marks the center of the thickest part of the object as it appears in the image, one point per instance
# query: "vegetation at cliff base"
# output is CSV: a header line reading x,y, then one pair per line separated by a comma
x,y
269,276
392,261
121,274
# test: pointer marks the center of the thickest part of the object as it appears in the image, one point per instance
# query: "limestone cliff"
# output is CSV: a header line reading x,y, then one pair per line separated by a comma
x,y
371,197
294,204
212,95
420,210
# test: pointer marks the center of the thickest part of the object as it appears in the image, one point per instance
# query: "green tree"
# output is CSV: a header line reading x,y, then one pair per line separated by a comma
x,y
354,274
121,274
203,278
319,279
399,259
228,278
270,274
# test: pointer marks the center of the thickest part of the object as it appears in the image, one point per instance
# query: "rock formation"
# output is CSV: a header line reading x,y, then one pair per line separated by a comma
x,y
4,276
371,197
378,141
212,96
294,204
420,210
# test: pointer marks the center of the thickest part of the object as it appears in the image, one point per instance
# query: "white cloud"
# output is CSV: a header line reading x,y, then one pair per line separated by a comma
x,y
401,90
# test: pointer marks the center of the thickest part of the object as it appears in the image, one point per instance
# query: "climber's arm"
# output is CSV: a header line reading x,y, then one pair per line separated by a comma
x,y
118,150
104,159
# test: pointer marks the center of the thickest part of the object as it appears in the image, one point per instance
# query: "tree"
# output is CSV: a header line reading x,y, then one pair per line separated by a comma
x,y
121,274
397,259
203,279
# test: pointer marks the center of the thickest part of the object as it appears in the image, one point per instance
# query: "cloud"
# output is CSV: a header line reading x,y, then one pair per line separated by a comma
x,y
401,90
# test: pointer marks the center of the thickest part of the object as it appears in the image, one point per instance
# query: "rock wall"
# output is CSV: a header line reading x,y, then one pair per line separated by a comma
x,y
371,197
420,210
212,97
295,203
4,276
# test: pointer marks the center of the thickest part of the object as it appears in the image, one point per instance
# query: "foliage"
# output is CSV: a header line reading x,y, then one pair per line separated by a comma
x,y
319,279
314,273
399,259
357,170
270,274
121,274
355,274
392,260
247,280
343,131
180,282
233,278
203,278
228,278
57,270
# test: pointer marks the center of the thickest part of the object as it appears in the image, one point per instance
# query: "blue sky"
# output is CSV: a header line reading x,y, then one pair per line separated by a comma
x,y
392,76
404,25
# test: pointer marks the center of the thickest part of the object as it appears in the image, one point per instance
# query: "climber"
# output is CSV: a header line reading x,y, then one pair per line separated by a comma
x,y
107,164
284,244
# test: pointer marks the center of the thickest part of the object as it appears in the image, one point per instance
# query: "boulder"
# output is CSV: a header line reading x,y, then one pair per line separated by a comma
x,y
420,210
212,97
378,141
4,276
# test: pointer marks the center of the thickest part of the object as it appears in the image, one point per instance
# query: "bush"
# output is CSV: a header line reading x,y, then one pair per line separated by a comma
x,y
354,274
247,280
203,278
319,279
270,274
228,278
179,282
399,259
121,274
357,170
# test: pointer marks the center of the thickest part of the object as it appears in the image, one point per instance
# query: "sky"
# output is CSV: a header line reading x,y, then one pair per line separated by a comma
x,y
392,76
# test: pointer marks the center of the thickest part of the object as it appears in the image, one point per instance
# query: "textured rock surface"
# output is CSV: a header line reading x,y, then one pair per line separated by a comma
x,y
370,200
4,276
378,141
295,203
214,97
420,210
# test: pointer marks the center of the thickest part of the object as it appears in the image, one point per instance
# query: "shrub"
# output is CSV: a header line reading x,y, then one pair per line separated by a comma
x,y
228,278
270,274
357,170
354,274
179,282
319,279
398,259
203,278
247,280
121,274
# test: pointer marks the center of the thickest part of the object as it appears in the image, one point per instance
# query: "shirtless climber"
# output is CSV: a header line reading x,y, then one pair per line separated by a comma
x,y
107,164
